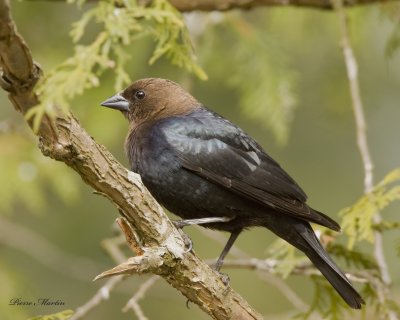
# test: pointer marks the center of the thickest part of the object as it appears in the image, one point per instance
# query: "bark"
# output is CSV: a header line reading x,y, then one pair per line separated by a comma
x,y
225,5
63,139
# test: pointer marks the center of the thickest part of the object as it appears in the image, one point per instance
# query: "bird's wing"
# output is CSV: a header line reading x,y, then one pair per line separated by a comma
x,y
217,150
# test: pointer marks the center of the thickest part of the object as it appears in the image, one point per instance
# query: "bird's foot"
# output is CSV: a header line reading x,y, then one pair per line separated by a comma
x,y
188,242
179,224
186,239
190,222
224,277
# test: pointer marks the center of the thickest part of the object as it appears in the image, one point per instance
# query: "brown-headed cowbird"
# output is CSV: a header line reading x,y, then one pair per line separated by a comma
x,y
208,171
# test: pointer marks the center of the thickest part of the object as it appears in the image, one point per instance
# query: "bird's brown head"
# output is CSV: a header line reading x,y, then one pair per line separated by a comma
x,y
152,99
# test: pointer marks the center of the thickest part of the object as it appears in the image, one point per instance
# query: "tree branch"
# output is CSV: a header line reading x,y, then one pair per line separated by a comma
x,y
43,251
225,5
102,294
269,277
63,139
133,302
362,143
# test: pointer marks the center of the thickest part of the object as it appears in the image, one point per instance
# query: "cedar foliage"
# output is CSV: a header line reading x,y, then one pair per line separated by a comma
x,y
121,23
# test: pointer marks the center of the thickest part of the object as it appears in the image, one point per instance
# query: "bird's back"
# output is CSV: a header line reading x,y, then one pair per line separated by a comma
x,y
200,165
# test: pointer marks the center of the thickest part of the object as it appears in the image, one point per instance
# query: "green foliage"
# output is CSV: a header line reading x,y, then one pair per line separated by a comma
x,y
325,302
287,257
357,220
371,293
255,67
387,308
21,178
352,257
269,97
386,226
358,224
393,42
12,283
121,23
63,315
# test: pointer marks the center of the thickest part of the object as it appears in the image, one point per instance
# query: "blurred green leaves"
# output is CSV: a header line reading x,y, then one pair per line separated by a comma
x,y
63,315
121,23
21,178
357,220
256,67
287,257
325,302
268,97
12,283
358,224
247,57
393,42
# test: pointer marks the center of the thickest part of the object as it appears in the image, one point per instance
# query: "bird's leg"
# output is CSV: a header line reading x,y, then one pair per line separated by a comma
x,y
226,249
179,224
220,261
188,222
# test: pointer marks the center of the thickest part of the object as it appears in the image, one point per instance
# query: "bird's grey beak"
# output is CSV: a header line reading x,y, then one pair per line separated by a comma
x,y
116,102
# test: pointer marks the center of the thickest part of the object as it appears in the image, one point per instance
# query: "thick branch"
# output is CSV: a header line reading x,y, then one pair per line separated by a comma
x,y
65,140
225,5
16,59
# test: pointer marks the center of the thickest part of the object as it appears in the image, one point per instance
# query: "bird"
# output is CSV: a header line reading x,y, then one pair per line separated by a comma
x,y
208,171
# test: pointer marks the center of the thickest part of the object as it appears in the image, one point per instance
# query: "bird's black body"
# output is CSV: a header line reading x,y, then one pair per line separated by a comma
x,y
199,165
169,153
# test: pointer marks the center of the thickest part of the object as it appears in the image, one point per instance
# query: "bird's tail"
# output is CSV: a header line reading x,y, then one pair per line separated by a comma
x,y
302,236
320,258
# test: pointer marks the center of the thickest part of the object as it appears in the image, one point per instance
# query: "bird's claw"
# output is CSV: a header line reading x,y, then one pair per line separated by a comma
x,y
5,82
178,224
187,241
224,278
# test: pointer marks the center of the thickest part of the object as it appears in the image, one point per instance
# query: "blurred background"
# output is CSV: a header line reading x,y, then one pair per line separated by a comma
x,y
52,224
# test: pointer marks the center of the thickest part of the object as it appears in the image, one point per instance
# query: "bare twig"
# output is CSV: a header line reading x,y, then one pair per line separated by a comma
x,y
267,276
133,302
112,247
269,265
102,294
362,142
33,244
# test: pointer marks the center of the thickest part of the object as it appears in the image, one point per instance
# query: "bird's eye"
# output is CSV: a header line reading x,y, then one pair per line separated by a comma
x,y
140,94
